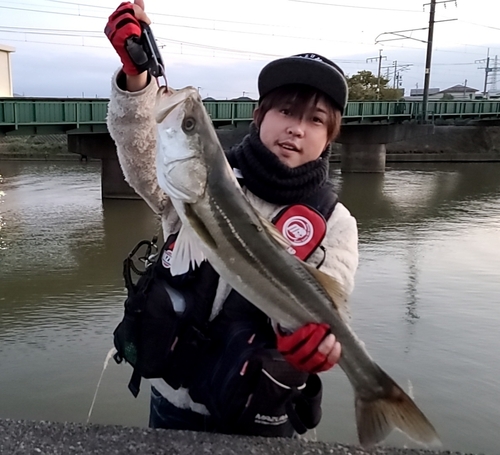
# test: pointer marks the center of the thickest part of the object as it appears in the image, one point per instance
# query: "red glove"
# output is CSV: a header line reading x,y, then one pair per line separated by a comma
x,y
300,348
121,26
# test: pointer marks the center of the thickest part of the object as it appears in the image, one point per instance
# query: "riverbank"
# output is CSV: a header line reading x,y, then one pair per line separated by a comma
x,y
62,438
52,147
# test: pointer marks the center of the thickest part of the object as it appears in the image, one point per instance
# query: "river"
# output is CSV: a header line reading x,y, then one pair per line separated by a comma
x,y
426,302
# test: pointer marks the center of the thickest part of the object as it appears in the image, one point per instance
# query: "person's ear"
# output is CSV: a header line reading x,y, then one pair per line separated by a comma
x,y
256,113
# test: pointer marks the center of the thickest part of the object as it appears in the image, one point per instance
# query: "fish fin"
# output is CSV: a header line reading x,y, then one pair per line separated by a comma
x,y
376,417
275,233
187,253
334,289
199,227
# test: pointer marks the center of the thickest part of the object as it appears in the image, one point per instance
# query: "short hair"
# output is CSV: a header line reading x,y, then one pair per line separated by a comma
x,y
302,98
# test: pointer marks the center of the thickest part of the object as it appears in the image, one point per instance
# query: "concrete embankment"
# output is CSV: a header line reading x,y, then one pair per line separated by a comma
x,y
447,144
25,437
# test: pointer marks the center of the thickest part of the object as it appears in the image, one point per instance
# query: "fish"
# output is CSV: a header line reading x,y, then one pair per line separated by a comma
x,y
220,225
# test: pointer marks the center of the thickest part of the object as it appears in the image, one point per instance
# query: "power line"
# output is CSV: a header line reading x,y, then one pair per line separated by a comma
x,y
355,6
261,24
273,35
151,13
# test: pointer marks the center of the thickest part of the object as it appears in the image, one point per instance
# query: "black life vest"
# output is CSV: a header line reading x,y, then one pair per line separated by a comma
x,y
166,333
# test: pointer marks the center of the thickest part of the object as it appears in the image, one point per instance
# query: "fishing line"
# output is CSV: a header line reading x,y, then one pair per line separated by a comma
x,y
111,353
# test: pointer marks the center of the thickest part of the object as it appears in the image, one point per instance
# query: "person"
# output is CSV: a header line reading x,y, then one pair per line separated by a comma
x,y
282,162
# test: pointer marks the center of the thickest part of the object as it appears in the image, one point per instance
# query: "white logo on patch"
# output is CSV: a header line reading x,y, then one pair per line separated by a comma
x,y
270,420
298,230
166,258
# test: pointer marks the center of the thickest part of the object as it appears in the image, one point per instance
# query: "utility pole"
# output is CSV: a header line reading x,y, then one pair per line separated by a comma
x,y
403,34
495,71
487,71
428,57
396,70
379,58
428,60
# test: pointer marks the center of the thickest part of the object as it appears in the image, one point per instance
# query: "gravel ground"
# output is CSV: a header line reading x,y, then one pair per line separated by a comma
x,y
40,438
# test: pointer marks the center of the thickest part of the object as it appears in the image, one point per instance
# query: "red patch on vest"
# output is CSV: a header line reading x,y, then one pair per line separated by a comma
x,y
303,226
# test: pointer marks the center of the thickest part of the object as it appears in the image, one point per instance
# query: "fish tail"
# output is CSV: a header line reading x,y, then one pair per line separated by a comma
x,y
377,416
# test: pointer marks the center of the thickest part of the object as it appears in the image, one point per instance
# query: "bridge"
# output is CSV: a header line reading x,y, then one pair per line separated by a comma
x,y
367,127
85,115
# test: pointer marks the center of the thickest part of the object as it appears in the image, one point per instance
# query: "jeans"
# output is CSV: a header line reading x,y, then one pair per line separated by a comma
x,y
164,414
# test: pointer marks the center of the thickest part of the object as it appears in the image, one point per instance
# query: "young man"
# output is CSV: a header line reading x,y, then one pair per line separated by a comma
x,y
281,163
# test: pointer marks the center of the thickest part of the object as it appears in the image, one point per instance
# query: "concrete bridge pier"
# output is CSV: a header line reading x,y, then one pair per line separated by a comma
x,y
362,158
364,145
101,146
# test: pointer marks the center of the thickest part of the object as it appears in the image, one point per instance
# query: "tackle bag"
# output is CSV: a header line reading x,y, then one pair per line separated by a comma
x,y
162,331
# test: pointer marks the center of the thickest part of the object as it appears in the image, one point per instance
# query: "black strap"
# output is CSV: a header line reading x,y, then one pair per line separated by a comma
x,y
295,420
134,384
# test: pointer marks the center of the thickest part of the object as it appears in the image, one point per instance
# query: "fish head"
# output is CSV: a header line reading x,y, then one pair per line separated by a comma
x,y
182,122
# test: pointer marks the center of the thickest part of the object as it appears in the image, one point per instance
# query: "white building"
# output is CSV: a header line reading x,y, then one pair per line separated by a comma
x,y
5,71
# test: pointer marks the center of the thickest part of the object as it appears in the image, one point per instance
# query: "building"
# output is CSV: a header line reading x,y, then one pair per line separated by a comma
x,y
6,88
458,92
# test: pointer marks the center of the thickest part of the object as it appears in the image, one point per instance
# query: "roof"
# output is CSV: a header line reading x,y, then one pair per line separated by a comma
x,y
420,91
5,48
459,88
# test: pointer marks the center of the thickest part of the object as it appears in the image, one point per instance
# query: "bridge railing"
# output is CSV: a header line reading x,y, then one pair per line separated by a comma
x,y
21,111
69,113
464,108
379,109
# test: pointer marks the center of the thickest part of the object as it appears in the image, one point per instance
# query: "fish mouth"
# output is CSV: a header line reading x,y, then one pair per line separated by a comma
x,y
168,99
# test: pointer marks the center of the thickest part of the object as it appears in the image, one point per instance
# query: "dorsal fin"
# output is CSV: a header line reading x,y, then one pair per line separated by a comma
x,y
334,289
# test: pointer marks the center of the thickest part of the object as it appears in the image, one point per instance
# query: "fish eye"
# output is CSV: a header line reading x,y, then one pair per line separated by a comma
x,y
189,124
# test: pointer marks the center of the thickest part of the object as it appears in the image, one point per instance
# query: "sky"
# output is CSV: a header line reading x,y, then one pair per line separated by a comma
x,y
220,46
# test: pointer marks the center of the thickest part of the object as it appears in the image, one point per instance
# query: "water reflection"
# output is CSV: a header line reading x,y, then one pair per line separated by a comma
x,y
2,222
419,194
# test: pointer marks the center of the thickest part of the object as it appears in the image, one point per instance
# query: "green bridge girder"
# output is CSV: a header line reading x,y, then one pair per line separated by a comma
x,y
80,115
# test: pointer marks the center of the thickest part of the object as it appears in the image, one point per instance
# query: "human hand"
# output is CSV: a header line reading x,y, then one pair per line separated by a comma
x,y
122,25
311,348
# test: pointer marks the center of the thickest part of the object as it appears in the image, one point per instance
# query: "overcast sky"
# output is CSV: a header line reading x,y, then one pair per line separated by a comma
x,y
220,46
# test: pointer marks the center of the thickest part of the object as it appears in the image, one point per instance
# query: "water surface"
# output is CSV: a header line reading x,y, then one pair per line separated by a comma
x,y
426,300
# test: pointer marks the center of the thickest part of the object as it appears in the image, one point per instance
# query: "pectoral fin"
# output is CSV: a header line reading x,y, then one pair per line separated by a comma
x,y
187,253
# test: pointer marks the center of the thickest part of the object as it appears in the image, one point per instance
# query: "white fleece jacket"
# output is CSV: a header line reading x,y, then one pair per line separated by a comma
x,y
131,124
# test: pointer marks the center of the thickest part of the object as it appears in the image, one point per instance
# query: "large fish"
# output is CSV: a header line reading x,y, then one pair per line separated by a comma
x,y
219,224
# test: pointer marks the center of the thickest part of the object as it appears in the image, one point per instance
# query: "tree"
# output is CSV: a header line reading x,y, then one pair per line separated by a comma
x,y
363,86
